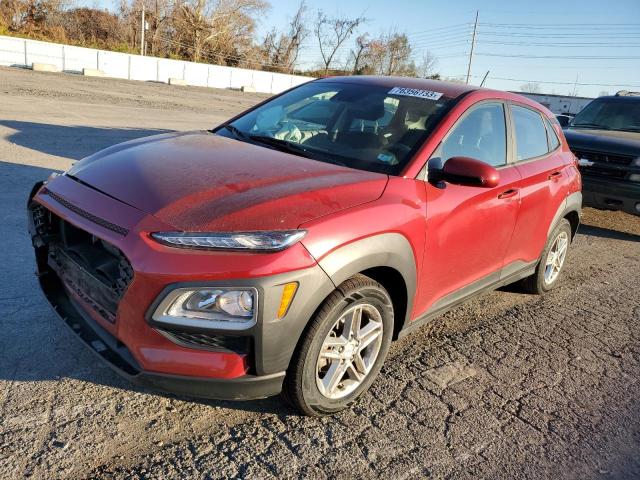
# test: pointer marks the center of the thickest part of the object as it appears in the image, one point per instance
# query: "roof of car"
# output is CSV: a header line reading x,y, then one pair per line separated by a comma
x,y
622,98
449,89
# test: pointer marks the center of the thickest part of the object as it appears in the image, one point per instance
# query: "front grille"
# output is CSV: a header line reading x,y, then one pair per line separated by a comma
x,y
96,271
595,171
606,165
606,158
208,341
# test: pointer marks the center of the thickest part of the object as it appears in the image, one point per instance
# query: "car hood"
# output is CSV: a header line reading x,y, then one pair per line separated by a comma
x,y
611,141
199,181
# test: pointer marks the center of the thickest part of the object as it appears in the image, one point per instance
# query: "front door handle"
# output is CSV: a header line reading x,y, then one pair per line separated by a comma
x,y
509,193
555,176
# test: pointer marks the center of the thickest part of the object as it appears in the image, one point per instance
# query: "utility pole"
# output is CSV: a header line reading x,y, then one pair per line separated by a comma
x,y
142,29
473,44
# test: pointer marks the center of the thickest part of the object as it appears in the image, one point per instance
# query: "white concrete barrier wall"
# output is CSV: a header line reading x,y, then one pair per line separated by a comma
x,y
113,64
12,51
23,53
41,52
196,74
168,68
77,59
219,76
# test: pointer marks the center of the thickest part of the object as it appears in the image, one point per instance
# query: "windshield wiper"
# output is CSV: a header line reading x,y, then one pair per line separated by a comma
x,y
281,145
239,134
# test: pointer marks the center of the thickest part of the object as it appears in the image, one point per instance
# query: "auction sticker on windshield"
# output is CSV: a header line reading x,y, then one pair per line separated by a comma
x,y
414,92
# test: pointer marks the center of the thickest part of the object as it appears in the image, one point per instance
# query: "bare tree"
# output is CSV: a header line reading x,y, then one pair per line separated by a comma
x,y
530,87
331,33
386,55
224,27
359,54
281,49
158,18
398,53
427,66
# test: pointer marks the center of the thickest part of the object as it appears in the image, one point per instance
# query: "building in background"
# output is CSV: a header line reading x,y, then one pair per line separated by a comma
x,y
559,103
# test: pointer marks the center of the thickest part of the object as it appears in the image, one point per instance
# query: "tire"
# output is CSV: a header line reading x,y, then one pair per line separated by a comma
x,y
541,282
308,386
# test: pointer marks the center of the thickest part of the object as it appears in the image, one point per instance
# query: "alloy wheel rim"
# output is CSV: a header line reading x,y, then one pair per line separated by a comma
x,y
555,258
349,351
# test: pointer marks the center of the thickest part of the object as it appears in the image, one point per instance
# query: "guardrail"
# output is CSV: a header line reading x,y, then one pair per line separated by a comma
x,y
21,52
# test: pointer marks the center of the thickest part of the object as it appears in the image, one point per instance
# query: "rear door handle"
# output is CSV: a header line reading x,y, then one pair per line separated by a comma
x,y
555,176
509,193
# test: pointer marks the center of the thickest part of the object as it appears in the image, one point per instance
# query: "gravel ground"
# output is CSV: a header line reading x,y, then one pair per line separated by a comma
x,y
506,386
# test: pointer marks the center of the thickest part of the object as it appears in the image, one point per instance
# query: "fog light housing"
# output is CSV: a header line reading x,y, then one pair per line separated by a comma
x,y
232,308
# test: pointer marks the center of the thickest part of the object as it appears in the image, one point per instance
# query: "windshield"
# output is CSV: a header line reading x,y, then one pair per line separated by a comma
x,y
610,114
360,126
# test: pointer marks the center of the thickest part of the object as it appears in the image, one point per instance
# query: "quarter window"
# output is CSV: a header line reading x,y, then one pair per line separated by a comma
x,y
481,134
553,137
531,134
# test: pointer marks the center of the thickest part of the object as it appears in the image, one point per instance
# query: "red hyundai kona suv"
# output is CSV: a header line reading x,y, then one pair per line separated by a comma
x,y
285,249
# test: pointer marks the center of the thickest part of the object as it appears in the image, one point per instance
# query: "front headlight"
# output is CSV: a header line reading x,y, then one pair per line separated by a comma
x,y
223,308
262,241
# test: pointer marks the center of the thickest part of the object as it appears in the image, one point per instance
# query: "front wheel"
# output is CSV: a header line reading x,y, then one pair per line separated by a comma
x,y
343,348
552,260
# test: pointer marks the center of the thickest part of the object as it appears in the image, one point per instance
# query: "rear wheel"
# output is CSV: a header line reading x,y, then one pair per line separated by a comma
x,y
552,260
343,348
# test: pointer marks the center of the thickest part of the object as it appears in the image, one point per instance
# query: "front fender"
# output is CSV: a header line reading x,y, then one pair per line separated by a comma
x,y
391,250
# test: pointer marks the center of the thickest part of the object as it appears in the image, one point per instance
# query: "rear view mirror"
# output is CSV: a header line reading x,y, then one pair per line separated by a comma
x,y
470,172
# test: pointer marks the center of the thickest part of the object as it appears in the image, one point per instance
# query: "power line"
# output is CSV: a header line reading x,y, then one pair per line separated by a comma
x,y
439,45
562,83
590,26
215,57
453,32
557,67
446,27
562,57
441,37
621,35
557,44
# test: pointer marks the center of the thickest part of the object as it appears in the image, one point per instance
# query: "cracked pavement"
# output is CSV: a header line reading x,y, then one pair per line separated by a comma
x,y
506,386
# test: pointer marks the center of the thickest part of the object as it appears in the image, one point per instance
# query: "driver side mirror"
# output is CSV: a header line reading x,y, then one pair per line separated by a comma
x,y
469,172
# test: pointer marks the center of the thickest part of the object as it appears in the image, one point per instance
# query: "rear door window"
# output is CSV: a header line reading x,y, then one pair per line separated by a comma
x,y
531,134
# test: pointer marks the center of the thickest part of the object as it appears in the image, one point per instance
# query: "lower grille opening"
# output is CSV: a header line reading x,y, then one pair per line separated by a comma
x,y
102,342
96,271
208,341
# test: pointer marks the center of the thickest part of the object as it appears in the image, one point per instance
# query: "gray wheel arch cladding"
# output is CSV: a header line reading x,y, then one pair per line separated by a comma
x,y
391,250
573,203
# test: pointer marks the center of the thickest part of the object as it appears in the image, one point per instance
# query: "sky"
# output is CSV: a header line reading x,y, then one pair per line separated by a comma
x,y
584,47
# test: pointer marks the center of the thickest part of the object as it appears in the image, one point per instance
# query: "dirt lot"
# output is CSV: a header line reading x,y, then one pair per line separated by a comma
x,y
507,386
